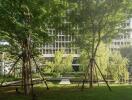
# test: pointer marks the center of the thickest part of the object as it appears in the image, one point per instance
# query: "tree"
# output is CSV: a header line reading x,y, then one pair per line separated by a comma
x,y
118,67
112,64
67,63
102,59
24,24
97,19
60,64
83,60
127,52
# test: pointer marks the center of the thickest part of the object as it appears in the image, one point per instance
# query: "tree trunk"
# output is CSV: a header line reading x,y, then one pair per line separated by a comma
x,y
26,81
26,73
92,64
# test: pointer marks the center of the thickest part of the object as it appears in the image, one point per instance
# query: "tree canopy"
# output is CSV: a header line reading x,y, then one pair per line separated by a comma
x,y
24,25
127,52
98,20
18,18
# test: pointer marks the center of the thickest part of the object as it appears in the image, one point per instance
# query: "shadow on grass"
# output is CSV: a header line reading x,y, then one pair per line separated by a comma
x,y
70,92
9,93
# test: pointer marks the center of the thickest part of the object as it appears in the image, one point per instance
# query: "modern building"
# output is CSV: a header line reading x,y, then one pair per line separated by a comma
x,y
124,38
64,42
61,42
4,66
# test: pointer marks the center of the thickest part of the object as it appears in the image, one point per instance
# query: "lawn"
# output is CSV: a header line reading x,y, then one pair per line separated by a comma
x,y
72,92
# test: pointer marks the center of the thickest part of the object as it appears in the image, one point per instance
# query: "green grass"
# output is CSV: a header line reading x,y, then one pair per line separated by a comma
x,y
72,92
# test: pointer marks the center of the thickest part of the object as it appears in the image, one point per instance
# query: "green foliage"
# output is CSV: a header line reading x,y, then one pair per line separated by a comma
x,y
97,20
118,67
60,64
102,59
8,79
5,56
83,60
19,18
127,52
67,63
112,64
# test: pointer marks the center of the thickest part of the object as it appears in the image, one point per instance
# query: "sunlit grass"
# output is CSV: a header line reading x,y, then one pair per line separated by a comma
x,y
71,92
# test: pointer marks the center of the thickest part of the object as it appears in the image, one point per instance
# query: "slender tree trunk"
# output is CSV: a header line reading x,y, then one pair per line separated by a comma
x,y
91,72
94,51
25,76
26,70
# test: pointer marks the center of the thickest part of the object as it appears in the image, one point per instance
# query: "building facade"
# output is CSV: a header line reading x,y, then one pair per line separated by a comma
x,y
61,42
64,42
124,38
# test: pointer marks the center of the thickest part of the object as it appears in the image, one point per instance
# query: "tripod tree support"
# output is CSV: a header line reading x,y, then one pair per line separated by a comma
x,y
95,27
85,76
28,26
89,73
19,57
90,67
97,76
41,74
26,72
103,76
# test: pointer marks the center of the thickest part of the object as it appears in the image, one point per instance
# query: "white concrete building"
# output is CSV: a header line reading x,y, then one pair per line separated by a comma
x,y
5,68
61,42
124,38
